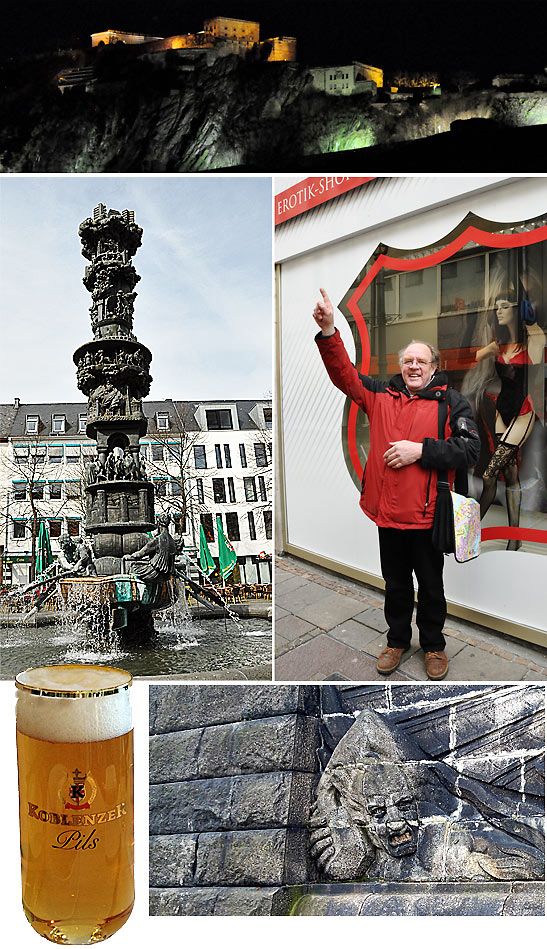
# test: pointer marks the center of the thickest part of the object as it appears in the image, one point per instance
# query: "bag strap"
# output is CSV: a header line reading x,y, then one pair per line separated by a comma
x,y
442,474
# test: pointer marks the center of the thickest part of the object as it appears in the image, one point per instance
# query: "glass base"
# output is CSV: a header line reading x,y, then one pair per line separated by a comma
x,y
81,932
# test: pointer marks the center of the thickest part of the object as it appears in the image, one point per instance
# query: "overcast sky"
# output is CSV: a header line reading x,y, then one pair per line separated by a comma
x,y
204,299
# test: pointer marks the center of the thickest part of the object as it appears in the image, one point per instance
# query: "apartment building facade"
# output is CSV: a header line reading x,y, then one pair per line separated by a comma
x,y
204,459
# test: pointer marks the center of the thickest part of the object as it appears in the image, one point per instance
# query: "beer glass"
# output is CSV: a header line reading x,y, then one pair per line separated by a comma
x,y
75,761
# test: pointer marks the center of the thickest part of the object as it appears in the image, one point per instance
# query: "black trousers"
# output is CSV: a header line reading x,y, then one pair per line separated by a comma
x,y
402,553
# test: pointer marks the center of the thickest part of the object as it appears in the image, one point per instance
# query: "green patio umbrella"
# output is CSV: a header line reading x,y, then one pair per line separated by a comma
x,y
43,550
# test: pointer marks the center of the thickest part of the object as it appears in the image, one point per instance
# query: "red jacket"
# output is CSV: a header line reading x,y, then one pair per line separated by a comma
x,y
404,497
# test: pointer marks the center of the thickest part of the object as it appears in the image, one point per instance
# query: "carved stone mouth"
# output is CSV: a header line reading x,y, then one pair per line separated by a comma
x,y
398,839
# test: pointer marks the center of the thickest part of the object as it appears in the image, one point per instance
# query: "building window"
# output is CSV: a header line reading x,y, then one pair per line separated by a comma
x,y
200,459
55,491
162,421
55,527
218,455
37,491
218,419
261,457
231,491
72,454
58,424
232,526
157,452
268,524
199,491
219,491
267,418
38,455
20,491
262,488
160,488
142,451
32,424
82,423
227,456
250,489
73,490
252,528
207,524
243,456
73,526
21,455
55,454
176,489
19,530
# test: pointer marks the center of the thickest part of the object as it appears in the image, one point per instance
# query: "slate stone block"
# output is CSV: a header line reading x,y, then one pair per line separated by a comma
x,y
214,804
427,899
219,901
172,859
175,707
268,744
247,858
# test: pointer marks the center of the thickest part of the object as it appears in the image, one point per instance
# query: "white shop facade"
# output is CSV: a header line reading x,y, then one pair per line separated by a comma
x,y
415,258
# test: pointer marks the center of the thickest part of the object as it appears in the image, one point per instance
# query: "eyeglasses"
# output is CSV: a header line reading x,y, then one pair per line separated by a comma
x,y
420,362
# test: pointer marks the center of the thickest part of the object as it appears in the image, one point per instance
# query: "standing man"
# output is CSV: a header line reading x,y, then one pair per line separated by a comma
x,y
400,482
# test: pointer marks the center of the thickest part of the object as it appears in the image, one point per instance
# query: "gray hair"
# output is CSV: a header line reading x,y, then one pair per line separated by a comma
x,y
435,354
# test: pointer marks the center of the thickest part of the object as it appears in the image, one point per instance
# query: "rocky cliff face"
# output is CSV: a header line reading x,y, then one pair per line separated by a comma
x,y
199,116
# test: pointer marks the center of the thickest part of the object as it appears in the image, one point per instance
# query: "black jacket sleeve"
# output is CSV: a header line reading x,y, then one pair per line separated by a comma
x,y
462,447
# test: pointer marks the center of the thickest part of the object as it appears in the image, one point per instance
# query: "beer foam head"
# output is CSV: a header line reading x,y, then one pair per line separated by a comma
x,y
73,703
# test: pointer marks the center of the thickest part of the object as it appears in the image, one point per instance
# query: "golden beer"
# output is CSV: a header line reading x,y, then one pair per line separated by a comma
x,y
75,760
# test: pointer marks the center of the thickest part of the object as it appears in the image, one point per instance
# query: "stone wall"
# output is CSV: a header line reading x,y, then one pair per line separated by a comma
x,y
232,773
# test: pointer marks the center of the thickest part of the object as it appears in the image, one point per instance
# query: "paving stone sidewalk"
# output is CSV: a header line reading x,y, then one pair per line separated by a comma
x,y
332,628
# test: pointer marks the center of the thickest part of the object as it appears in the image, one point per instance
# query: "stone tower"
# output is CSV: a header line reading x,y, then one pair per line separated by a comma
x,y
113,372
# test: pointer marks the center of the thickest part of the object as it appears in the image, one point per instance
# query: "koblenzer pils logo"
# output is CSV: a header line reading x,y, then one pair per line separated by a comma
x,y
78,792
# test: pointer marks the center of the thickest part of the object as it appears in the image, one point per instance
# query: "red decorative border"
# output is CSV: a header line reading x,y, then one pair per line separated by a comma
x,y
471,233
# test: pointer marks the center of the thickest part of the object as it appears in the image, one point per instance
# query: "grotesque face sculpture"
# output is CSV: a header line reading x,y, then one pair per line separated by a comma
x,y
389,811
381,801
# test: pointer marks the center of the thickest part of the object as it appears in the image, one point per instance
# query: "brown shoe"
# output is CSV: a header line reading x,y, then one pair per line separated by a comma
x,y
436,664
389,659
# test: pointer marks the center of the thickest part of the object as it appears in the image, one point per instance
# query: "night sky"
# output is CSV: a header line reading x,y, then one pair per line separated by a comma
x,y
482,35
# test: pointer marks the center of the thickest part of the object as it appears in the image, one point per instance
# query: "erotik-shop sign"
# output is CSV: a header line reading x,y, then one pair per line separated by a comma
x,y
310,192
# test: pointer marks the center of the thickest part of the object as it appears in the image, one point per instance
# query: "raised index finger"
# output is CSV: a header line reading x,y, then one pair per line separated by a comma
x,y
325,296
